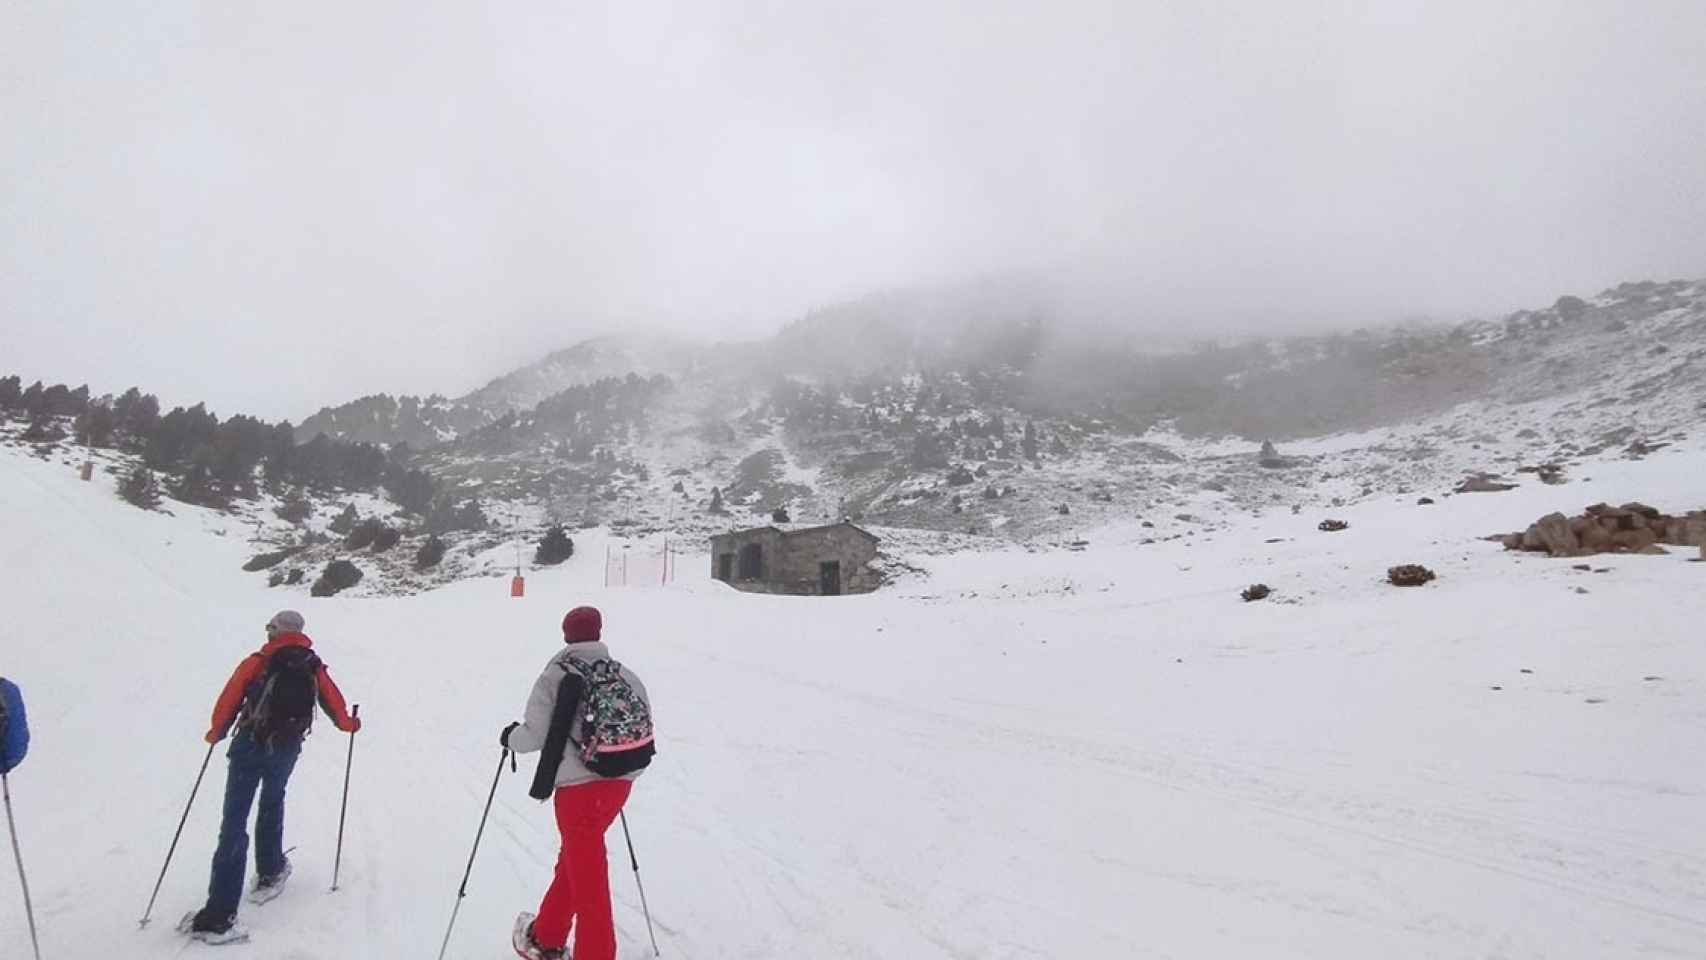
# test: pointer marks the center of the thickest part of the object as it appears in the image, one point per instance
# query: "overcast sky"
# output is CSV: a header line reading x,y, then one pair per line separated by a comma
x,y
278,205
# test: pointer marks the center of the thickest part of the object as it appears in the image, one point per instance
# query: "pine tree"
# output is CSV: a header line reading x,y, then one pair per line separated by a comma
x,y
140,488
95,425
554,547
717,501
412,489
430,553
471,517
386,538
197,486
296,508
44,429
345,523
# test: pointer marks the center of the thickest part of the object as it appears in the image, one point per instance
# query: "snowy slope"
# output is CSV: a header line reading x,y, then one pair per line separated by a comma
x,y
1099,753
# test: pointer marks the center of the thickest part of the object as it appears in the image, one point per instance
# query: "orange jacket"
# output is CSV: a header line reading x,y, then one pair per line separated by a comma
x,y
230,702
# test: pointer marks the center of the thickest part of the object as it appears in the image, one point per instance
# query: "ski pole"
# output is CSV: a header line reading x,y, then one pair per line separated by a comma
x,y
173,848
12,825
463,890
643,908
338,861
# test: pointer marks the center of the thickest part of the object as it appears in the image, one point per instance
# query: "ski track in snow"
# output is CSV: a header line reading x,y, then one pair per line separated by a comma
x,y
1095,753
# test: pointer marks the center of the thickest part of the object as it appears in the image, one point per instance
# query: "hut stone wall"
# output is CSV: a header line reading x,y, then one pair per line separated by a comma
x,y
809,562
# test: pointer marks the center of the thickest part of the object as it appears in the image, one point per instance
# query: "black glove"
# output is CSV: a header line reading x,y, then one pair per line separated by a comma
x,y
503,738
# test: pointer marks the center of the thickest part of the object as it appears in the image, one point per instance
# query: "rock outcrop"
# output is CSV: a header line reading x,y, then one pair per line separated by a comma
x,y
1602,528
1484,483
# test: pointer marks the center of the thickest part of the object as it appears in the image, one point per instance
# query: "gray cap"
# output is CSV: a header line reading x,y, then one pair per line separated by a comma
x,y
285,621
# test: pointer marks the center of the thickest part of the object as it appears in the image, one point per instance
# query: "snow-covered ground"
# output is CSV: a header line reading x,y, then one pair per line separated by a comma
x,y
1091,753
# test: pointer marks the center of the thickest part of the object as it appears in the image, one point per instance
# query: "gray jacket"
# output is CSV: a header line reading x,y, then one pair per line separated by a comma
x,y
542,704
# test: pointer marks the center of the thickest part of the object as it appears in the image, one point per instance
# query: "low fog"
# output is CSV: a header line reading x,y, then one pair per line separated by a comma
x,y
272,207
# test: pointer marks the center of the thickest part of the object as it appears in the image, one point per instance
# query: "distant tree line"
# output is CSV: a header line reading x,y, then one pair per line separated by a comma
x,y
578,420
382,418
207,460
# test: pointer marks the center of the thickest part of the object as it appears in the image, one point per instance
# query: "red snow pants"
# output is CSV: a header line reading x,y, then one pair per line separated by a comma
x,y
580,891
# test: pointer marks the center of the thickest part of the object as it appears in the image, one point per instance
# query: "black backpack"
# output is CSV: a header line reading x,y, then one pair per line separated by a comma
x,y
280,706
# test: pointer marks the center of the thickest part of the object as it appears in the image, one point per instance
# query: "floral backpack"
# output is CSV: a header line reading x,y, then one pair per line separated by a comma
x,y
615,726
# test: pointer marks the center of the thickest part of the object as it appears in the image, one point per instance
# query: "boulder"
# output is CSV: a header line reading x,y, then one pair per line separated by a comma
x,y
1633,541
1483,483
1556,536
1693,532
1595,538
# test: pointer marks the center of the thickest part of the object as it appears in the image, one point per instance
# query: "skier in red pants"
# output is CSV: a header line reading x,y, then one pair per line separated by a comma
x,y
591,720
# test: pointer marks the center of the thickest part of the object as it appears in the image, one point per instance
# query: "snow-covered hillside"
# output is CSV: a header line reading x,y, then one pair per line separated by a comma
x,y
989,418
583,363
1097,752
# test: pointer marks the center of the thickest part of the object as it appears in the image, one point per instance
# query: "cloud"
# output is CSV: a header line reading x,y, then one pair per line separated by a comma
x,y
279,206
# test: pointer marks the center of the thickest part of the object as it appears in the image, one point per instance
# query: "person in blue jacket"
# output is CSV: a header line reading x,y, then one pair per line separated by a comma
x,y
14,727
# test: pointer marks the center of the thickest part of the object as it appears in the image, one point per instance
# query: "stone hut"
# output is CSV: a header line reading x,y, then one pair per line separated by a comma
x,y
808,562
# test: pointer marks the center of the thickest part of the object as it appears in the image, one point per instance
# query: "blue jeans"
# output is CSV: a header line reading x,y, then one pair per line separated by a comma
x,y
251,766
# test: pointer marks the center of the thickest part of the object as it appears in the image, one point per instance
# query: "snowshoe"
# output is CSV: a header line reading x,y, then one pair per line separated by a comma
x,y
526,947
267,888
210,929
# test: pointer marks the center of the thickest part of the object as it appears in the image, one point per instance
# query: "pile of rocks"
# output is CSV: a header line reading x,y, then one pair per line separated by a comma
x,y
1631,528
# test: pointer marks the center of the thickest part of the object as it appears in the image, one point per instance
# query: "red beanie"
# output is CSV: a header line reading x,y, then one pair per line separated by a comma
x,y
582,625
